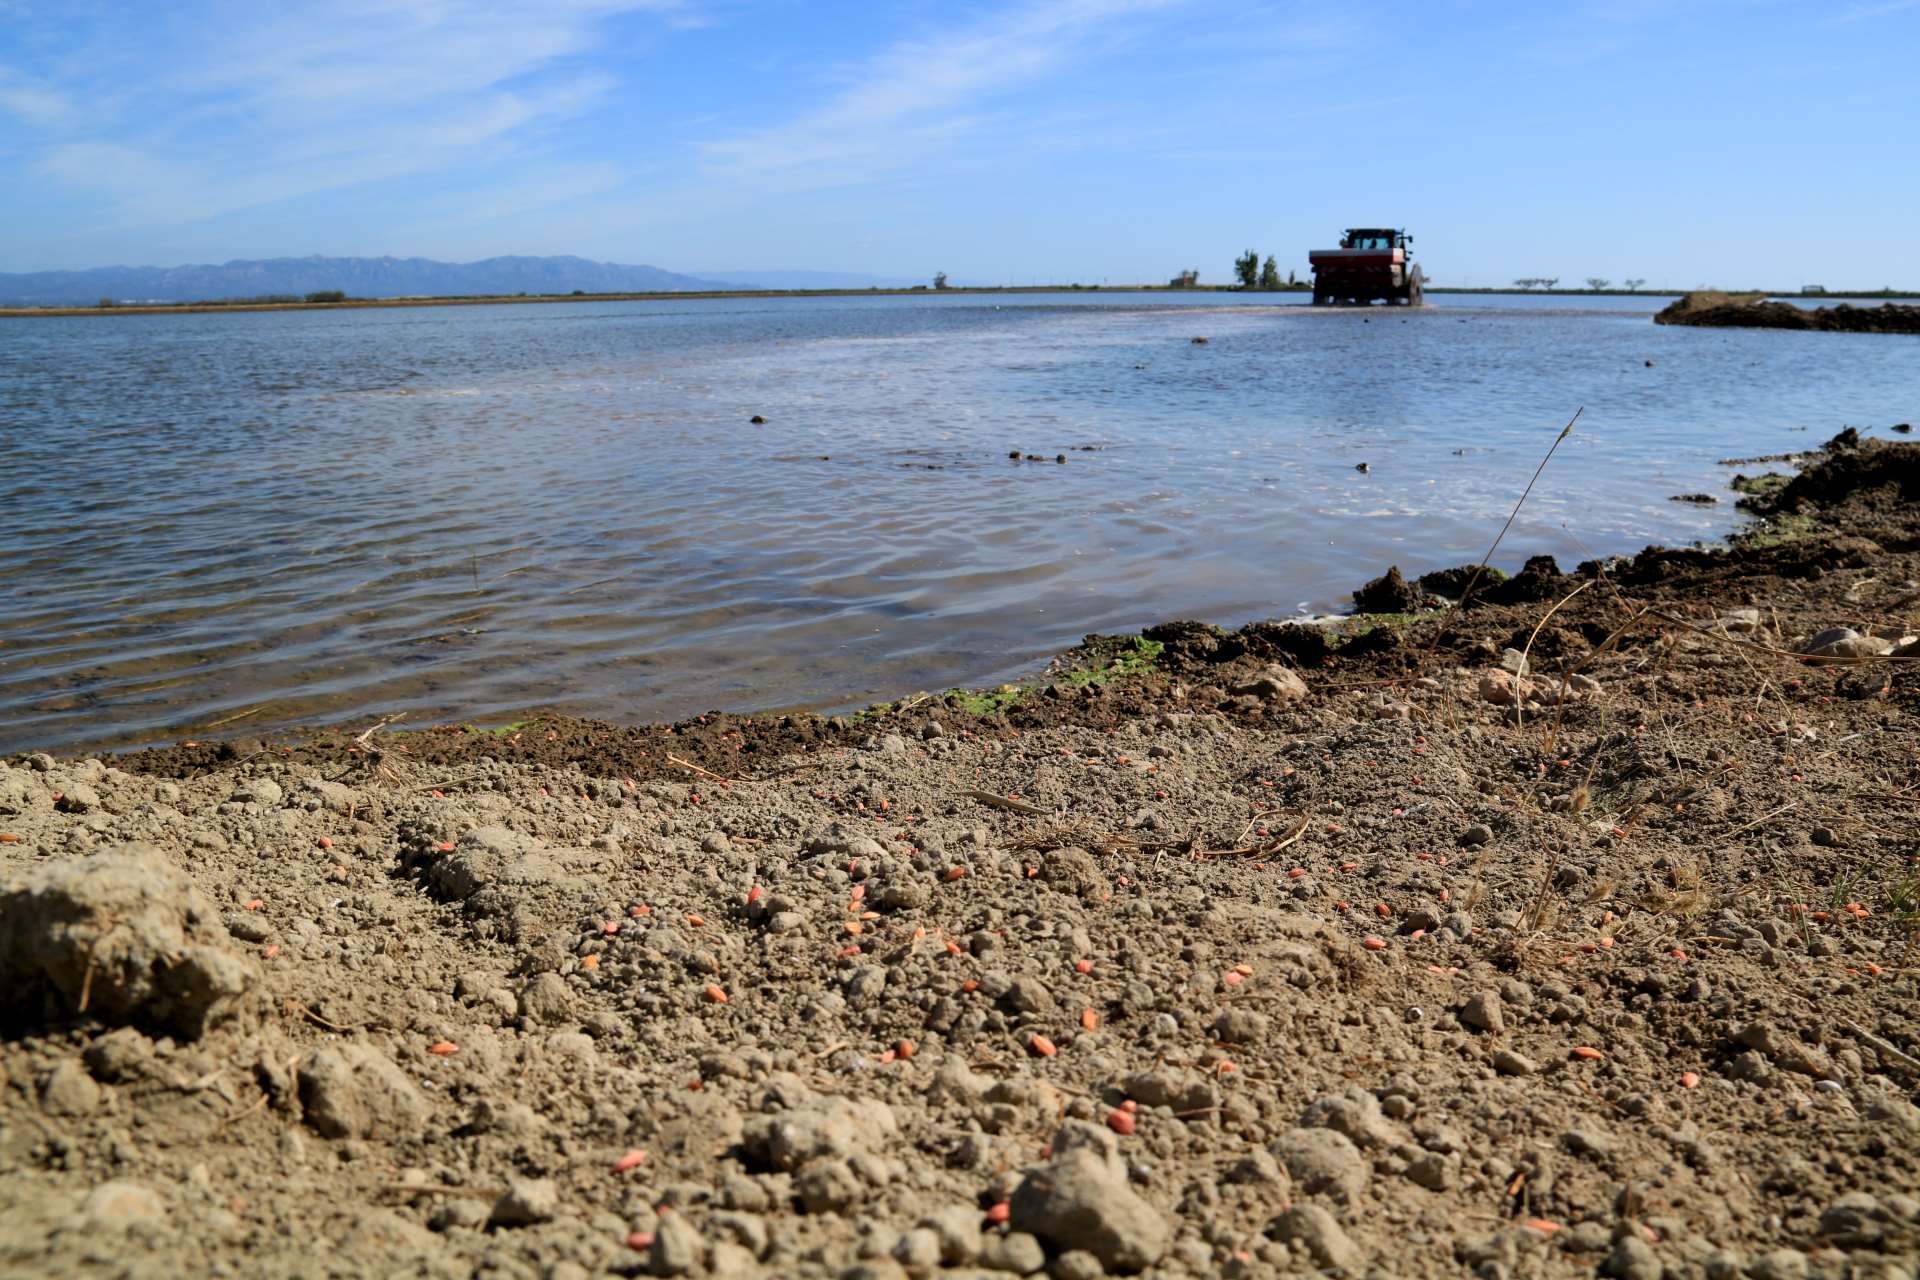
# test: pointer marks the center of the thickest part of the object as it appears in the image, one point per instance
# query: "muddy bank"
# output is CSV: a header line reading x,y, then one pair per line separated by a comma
x,y
1568,932
1750,311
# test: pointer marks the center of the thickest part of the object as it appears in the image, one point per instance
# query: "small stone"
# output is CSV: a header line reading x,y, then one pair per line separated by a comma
x,y
1779,1264
1484,1011
958,1228
1478,833
1509,1063
69,1091
1632,1259
676,1247
1587,1142
1273,684
546,999
1082,1201
78,797
918,1251
1017,1252
527,1201
354,1091
1431,1170
1076,1264
463,1215
118,1205
1311,1227
1240,1026
1029,995
1323,1162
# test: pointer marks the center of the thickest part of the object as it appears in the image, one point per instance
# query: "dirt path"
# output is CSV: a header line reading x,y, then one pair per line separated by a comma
x,y
1273,953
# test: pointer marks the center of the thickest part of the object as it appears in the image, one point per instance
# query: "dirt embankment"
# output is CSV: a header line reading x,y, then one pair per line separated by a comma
x,y
1751,311
1571,932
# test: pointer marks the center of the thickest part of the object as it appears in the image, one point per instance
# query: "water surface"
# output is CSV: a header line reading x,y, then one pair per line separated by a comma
x,y
300,517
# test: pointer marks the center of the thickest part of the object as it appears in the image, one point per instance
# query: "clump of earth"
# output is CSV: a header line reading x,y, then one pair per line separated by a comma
x,y
1567,932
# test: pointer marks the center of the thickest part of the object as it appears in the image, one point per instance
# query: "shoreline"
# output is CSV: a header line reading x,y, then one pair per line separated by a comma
x,y
353,304
1575,928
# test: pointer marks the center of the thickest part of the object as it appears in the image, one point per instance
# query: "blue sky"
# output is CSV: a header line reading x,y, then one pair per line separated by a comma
x,y
1683,141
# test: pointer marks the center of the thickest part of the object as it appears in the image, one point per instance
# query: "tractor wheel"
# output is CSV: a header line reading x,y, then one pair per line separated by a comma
x,y
1320,298
1416,290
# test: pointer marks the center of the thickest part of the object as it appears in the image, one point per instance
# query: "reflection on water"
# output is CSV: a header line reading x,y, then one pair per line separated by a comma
x,y
470,512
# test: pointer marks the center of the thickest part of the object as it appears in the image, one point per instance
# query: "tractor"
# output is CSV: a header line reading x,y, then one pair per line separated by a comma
x,y
1370,263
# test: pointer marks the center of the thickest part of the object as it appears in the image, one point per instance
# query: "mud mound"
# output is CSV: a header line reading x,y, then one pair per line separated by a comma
x,y
1750,311
121,937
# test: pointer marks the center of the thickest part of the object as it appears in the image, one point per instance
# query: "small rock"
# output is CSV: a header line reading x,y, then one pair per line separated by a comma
x,y
69,1091
1509,1063
958,1228
528,1201
676,1247
1076,1264
918,1251
355,1091
79,798
1017,1251
1632,1259
1323,1162
1273,684
1484,1011
117,1205
1478,833
1082,1201
1314,1229
546,999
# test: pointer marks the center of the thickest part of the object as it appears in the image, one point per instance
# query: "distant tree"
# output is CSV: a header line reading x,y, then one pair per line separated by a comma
x,y
1547,282
939,279
335,295
104,303
1633,283
1526,282
1187,279
1292,280
1270,274
1246,268
1597,283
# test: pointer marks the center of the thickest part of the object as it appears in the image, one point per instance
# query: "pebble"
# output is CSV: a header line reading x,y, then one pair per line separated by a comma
x,y
1632,1258
1081,1200
1483,1010
1509,1063
1017,1251
1478,833
121,1205
525,1202
1313,1228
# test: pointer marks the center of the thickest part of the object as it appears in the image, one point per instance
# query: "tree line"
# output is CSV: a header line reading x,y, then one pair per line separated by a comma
x,y
1253,274
1597,284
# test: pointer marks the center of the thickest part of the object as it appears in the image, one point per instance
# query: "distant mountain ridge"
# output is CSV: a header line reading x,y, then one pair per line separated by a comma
x,y
355,277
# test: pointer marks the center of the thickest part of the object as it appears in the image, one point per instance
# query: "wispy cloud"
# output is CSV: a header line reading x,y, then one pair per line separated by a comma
x,y
919,96
246,106
1867,12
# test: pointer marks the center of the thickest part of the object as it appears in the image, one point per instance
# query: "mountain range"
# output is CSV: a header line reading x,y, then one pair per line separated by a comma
x,y
355,277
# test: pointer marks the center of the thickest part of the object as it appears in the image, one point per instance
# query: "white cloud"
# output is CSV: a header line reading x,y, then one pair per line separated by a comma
x,y
238,106
917,96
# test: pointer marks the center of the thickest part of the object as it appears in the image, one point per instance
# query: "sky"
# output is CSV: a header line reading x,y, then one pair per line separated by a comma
x,y
1683,142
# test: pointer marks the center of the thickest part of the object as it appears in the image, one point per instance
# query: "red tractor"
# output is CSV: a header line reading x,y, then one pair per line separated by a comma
x,y
1370,263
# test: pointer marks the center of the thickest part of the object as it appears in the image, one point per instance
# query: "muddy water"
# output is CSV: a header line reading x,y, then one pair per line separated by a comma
x,y
215,524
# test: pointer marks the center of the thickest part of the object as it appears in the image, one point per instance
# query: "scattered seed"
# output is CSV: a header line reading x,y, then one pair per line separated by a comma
x,y
1374,944
956,873
1121,1122
717,995
640,1241
1588,1052
1689,1079
997,1213
905,1049
444,1049
590,961
1083,966
325,843
1041,1046
1089,1020
695,921
632,1160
